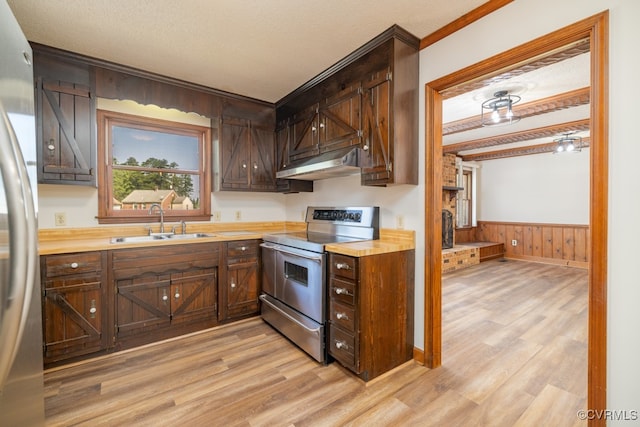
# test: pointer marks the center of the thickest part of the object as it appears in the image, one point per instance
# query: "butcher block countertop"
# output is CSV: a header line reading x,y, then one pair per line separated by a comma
x,y
68,240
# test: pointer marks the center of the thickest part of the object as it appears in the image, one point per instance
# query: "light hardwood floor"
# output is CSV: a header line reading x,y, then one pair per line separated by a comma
x,y
514,354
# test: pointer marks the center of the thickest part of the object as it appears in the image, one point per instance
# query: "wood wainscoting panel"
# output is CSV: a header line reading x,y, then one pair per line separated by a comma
x,y
562,244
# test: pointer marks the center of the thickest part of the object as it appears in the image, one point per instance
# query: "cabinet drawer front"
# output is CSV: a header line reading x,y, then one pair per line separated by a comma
x,y
342,347
344,266
65,264
342,291
343,315
242,248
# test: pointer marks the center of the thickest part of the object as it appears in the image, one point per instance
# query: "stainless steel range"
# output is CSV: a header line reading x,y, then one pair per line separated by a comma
x,y
294,271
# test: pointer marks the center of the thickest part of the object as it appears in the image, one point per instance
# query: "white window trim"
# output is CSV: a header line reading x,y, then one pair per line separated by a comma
x,y
473,167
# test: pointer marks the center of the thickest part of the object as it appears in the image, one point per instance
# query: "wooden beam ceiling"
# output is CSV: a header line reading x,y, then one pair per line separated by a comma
x,y
520,151
525,135
550,104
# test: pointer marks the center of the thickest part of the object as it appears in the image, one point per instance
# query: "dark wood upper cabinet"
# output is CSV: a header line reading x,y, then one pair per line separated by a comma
x,y
328,125
369,99
247,156
283,132
65,121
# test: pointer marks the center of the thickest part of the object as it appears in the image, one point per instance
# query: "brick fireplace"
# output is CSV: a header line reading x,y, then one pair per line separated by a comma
x,y
462,255
454,257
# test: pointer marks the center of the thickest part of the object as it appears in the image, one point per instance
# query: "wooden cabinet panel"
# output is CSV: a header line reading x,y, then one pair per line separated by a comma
x,y
343,347
152,302
240,284
369,99
376,108
304,134
67,264
344,266
142,304
75,313
65,121
283,133
242,290
247,156
329,125
263,172
371,311
164,291
193,296
235,154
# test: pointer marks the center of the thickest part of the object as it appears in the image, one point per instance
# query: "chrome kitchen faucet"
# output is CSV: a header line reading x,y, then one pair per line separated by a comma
x,y
157,205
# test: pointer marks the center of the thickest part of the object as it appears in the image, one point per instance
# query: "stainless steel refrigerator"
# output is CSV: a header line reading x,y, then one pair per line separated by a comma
x,y
21,378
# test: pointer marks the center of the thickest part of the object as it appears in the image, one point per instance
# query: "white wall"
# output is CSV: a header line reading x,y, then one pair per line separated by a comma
x,y
524,20
542,188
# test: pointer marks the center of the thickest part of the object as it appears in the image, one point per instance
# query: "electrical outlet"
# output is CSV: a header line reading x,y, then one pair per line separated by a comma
x,y
217,216
60,219
238,215
514,242
400,222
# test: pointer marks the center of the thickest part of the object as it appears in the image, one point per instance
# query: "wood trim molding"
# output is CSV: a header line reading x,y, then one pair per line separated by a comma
x,y
598,27
466,19
520,151
418,355
433,230
550,104
548,58
596,30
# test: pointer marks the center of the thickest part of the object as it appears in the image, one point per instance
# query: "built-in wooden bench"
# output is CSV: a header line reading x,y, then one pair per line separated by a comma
x,y
466,254
488,250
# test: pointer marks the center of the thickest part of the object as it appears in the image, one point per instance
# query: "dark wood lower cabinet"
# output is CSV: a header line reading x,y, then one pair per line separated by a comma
x,y
74,305
164,291
240,281
371,311
103,301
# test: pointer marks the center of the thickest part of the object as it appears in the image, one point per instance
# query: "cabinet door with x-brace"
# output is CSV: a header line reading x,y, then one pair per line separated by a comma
x,y
73,303
65,119
156,301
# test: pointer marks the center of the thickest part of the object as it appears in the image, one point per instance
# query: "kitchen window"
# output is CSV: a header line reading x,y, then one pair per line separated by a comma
x,y
143,161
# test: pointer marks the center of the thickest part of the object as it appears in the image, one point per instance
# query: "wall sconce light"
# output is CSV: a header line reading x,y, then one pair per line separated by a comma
x,y
499,109
568,144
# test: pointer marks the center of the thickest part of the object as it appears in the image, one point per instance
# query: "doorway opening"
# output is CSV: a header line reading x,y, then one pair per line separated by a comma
x,y
595,30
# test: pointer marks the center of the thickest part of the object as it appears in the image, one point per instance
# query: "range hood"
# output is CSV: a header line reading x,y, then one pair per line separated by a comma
x,y
345,161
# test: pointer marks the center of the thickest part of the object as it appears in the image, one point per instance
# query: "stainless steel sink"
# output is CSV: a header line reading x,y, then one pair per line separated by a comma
x,y
187,236
154,237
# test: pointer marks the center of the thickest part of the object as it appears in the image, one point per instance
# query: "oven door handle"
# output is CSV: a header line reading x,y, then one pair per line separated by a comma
x,y
293,252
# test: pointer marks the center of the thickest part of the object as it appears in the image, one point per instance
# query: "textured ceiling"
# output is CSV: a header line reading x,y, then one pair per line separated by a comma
x,y
258,48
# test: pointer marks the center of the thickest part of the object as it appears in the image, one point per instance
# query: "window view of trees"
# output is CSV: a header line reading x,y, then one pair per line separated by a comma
x,y
139,176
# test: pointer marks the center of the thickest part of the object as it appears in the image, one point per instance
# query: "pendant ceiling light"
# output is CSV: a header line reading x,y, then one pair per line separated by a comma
x,y
499,109
568,144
